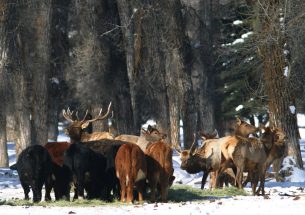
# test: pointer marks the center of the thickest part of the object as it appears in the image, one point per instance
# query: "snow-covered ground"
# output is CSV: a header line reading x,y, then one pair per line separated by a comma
x,y
284,197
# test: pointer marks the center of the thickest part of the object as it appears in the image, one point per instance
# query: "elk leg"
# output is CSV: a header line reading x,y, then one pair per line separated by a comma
x,y
164,192
140,185
48,187
204,179
26,190
123,188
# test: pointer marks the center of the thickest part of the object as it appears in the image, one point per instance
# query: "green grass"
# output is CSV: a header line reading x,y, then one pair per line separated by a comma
x,y
177,193
182,193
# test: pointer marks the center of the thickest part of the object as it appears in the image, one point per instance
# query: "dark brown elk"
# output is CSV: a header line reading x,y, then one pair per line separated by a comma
x,y
76,129
152,134
208,157
159,169
131,170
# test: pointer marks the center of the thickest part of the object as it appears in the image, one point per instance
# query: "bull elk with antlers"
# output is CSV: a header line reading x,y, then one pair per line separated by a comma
x,y
76,129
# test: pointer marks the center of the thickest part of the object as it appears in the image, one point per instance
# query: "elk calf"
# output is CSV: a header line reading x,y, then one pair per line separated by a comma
x,y
130,165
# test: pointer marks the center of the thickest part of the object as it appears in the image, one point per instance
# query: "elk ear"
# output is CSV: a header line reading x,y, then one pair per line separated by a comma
x,y
85,124
214,134
149,128
203,138
238,121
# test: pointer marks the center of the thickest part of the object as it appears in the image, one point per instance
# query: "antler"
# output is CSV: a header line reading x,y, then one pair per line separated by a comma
x,y
99,117
68,114
193,145
178,148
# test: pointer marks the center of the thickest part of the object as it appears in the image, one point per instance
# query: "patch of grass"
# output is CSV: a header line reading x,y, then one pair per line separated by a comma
x,y
182,193
61,203
177,193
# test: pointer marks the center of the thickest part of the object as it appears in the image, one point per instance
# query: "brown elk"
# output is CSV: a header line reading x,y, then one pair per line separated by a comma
x,y
253,155
208,157
274,140
76,129
152,134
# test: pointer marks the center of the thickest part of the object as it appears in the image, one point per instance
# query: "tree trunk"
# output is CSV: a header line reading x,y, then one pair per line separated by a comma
x,y
35,38
178,78
281,100
59,58
198,18
3,87
127,14
19,80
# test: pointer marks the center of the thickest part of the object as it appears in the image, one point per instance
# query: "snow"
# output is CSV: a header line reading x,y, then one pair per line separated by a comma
x,y
286,71
301,120
239,107
55,80
292,109
237,22
246,35
237,41
283,197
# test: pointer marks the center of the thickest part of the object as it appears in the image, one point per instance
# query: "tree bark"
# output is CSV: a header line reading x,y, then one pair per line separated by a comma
x,y
282,105
3,87
19,80
199,30
127,14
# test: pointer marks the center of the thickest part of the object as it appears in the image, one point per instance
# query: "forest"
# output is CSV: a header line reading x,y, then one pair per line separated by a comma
x,y
199,62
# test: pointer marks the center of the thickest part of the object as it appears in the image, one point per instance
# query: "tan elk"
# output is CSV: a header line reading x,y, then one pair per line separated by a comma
x,y
208,158
76,129
152,134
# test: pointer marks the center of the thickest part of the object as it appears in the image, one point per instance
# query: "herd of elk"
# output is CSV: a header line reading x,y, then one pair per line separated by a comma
x,y
102,164
239,152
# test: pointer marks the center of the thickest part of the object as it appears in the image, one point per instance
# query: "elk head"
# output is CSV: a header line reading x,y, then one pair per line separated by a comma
x,y
280,142
76,127
190,160
243,128
152,134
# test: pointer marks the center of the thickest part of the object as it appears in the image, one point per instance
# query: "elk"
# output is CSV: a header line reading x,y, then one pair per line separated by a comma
x,y
254,156
208,158
276,139
76,129
152,134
